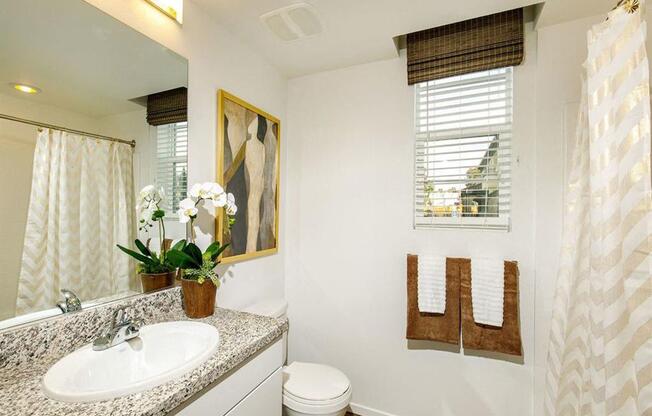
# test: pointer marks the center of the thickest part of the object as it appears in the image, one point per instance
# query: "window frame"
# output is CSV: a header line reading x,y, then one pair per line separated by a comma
x,y
427,138
169,189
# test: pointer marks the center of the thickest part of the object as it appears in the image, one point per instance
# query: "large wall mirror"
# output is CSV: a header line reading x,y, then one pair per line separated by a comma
x,y
91,111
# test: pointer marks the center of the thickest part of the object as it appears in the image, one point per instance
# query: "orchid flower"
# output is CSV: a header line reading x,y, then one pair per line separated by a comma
x,y
197,265
187,210
148,206
209,191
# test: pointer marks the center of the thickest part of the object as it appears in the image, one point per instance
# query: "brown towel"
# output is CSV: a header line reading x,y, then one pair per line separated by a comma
x,y
506,339
430,326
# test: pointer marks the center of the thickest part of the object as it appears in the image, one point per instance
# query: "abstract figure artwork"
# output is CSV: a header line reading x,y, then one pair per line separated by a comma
x,y
248,167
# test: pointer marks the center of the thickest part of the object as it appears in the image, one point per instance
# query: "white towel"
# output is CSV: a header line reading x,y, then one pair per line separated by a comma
x,y
431,284
488,290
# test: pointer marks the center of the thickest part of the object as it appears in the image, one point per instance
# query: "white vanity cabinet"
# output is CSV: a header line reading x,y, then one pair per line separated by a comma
x,y
254,388
265,400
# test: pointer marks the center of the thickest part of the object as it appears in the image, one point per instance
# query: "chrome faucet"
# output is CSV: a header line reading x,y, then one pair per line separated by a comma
x,y
71,302
122,329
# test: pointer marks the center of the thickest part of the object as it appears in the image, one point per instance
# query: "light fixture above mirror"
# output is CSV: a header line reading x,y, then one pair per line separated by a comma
x,y
172,8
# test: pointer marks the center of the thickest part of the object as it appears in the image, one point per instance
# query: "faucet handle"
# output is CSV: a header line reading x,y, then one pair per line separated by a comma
x,y
70,303
119,317
121,329
135,325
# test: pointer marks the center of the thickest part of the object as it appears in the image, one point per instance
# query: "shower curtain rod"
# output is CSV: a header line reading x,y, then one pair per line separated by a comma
x,y
131,143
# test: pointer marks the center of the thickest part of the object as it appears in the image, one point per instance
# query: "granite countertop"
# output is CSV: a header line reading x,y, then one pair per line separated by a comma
x,y
241,336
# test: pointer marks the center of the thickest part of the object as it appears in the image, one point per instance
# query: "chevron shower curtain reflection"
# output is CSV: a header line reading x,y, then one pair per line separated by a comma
x,y
600,351
81,206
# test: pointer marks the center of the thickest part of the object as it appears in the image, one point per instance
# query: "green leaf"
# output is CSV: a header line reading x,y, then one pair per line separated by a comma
x,y
182,260
179,245
137,256
194,252
143,248
213,249
215,255
158,214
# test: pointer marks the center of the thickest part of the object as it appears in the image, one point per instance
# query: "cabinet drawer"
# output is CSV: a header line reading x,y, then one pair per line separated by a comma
x,y
266,399
226,392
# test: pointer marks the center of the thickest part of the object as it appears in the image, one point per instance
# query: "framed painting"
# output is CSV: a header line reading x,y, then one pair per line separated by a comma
x,y
248,166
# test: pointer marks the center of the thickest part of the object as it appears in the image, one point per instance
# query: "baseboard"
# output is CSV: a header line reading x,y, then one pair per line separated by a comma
x,y
367,411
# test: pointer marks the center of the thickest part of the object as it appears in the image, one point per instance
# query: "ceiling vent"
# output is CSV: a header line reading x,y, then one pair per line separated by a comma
x,y
294,22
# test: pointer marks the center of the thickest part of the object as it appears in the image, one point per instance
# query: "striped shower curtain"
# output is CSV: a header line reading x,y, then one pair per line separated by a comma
x,y
600,351
81,205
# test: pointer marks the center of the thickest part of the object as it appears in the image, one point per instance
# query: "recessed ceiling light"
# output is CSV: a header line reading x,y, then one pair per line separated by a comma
x,y
172,8
27,89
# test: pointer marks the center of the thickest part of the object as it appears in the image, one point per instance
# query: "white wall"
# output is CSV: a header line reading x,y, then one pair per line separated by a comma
x,y
217,60
350,207
16,157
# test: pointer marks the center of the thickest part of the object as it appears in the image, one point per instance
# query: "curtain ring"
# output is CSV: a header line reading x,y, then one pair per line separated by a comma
x,y
630,6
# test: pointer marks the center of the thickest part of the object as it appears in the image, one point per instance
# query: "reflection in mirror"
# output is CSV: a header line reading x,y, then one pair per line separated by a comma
x,y
91,112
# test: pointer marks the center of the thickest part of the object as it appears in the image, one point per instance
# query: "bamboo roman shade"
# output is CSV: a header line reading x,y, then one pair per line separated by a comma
x,y
168,107
481,44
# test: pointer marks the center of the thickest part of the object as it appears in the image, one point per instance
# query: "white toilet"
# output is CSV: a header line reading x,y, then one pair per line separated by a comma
x,y
308,389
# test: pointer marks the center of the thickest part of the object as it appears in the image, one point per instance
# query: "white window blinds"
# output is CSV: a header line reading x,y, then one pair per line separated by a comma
x,y
463,151
172,163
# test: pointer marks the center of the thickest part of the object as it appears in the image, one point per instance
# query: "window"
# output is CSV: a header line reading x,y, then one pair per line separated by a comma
x,y
463,152
172,163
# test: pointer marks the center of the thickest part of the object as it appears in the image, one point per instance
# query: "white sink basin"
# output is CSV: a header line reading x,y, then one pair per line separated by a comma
x,y
162,353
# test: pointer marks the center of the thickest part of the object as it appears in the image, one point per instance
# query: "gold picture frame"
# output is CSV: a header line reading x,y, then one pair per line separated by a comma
x,y
245,117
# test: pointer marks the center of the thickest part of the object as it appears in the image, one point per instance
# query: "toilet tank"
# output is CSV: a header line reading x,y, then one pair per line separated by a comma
x,y
273,308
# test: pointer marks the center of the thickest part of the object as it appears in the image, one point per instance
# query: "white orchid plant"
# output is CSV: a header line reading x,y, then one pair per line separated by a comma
x,y
208,191
149,212
196,265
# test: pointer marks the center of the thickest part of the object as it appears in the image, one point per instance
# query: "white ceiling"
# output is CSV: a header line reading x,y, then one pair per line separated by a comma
x,y
88,62
560,11
83,60
359,31
355,31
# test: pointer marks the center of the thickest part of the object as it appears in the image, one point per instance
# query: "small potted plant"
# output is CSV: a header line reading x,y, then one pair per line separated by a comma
x,y
200,282
155,270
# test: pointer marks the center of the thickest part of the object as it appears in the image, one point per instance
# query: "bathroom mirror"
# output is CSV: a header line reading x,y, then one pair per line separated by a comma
x,y
91,111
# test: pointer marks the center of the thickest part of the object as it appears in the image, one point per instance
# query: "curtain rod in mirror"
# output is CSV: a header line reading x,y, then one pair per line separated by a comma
x,y
132,143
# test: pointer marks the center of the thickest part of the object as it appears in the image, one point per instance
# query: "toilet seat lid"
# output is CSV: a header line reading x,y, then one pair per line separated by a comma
x,y
314,382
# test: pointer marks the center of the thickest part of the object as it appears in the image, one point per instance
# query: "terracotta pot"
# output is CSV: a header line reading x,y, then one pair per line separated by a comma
x,y
198,299
157,281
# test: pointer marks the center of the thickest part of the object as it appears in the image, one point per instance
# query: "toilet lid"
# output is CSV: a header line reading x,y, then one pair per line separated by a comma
x,y
314,382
